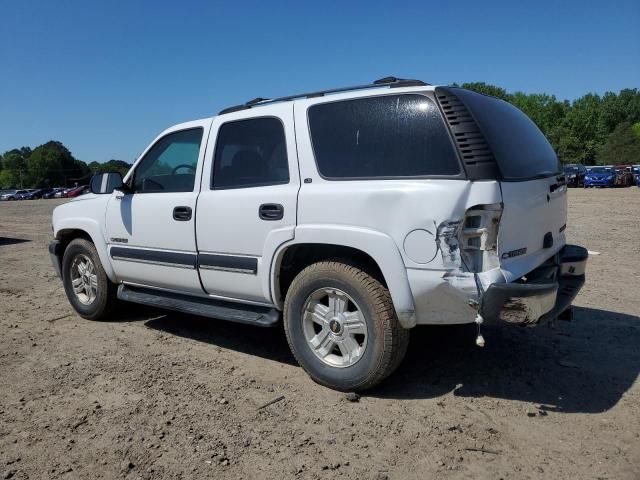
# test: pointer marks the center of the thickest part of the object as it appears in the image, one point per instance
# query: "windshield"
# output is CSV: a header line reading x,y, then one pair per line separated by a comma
x,y
521,150
602,170
571,169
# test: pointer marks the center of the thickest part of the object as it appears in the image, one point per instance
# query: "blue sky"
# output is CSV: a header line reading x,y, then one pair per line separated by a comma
x,y
106,77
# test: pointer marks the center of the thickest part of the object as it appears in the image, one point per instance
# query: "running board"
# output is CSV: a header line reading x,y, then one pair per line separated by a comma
x,y
205,307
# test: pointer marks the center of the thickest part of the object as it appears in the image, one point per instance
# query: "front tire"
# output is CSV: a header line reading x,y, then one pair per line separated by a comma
x,y
342,328
88,289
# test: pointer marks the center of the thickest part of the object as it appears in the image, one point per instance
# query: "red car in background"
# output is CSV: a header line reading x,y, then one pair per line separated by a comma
x,y
75,192
624,175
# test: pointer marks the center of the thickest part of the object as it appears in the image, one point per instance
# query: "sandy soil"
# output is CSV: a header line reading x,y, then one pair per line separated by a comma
x,y
166,396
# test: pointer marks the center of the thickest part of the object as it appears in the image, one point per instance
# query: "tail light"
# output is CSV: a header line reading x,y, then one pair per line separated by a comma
x,y
478,237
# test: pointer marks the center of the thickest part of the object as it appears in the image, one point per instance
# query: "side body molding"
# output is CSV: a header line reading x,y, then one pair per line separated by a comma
x,y
377,245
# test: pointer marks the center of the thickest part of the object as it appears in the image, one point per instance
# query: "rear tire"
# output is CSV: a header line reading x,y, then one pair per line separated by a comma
x,y
342,327
86,284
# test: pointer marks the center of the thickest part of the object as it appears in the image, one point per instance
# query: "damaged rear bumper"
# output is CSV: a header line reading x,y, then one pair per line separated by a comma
x,y
541,295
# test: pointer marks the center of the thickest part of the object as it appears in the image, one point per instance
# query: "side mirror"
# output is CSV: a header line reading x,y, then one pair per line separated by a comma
x,y
106,182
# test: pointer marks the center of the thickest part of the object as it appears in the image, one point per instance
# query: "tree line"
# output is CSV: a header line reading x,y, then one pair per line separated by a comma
x,y
592,129
50,165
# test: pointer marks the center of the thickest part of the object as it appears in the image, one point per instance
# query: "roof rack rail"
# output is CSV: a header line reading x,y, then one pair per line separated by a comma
x,y
391,82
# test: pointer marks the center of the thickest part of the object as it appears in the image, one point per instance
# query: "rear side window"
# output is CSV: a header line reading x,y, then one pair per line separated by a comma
x,y
250,153
388,136
519,147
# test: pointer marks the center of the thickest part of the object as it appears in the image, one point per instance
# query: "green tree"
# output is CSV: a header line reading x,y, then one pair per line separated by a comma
x,y
52,164
14,167
581,124
618,108
545,110
6,180
487,89
110,166
622,146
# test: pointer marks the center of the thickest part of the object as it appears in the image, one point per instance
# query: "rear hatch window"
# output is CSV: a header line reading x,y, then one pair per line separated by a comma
x,y
521,150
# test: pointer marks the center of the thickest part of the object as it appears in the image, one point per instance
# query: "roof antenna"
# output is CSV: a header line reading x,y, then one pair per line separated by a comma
x,y
384,80
256,100
400,82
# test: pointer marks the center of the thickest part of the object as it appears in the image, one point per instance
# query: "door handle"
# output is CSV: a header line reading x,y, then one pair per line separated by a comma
x,y
182,214
271,211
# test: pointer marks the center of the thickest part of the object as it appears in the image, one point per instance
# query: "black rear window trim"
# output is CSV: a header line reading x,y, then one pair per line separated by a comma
x,y
528,179
461,176
501,177
252,185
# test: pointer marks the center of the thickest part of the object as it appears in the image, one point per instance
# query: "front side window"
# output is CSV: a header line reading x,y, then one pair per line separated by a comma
x,y
388,136
170,165
250,153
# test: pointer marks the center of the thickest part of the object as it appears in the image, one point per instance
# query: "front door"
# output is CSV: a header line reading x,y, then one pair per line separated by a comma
x,y
151,232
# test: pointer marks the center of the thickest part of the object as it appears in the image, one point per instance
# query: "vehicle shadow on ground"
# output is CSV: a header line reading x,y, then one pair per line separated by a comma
x,y
268,343
581,366
4,241
134,312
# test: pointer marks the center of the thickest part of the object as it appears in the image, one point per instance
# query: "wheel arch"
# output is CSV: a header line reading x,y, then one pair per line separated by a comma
x,y
375,251
67,232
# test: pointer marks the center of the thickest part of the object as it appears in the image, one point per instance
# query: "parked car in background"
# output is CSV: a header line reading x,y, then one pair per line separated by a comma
x,y
636,174
600,177
21,196
6,191
53,192
624,176
27,195
36,194
574,175
62,193
13,194
75,192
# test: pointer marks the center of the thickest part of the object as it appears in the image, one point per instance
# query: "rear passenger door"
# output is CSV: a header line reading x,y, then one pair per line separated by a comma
x,y
247,202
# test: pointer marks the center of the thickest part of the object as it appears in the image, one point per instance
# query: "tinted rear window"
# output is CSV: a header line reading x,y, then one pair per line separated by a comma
x,y
250,153
520,148
389,136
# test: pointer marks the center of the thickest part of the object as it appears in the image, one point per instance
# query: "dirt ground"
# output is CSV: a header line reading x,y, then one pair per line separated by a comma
x,y
157,395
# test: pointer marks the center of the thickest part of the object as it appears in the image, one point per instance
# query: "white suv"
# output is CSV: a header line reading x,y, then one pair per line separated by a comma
x,y
352,214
